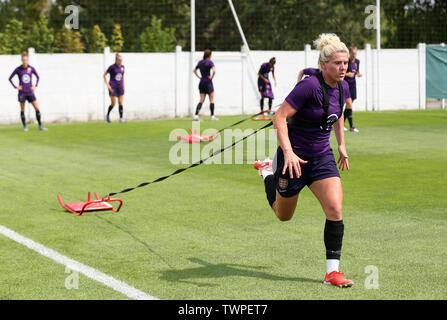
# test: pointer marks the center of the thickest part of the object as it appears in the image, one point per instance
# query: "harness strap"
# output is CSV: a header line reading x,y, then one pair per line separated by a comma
x,y
323,124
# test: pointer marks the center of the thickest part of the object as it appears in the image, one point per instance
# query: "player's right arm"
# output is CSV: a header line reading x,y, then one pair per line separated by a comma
x,y
300,75
291,160
106,81
19,87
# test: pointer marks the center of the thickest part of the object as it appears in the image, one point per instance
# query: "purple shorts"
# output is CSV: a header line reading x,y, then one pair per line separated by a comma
x,y
206,87
317,168
30,97
353,91
116,92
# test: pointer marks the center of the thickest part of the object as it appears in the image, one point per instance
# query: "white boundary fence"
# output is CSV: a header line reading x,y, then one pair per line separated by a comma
x,y
158,85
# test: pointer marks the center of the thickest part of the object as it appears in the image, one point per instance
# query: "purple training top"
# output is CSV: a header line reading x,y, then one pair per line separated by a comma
x,y
205,67
265,69
25,78
116,76
307,99
353,66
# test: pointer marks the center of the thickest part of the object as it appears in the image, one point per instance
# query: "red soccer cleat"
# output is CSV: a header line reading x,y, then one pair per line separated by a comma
x,y
263,165
336,278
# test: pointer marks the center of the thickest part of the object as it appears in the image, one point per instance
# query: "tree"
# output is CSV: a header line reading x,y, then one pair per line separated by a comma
x,y
132,15
68,41
116,40
155,38
3,49
96,40
13,38
412,22
41,37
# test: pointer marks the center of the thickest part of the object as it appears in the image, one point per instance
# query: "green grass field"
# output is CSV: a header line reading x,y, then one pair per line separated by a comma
x,y
209,233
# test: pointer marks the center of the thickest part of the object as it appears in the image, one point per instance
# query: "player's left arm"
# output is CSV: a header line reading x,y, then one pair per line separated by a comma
x,y
37,79
359,74
274,77
339,130
213,73
340,135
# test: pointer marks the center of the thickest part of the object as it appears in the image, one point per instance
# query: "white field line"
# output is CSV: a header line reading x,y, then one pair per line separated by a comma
x,y
87,271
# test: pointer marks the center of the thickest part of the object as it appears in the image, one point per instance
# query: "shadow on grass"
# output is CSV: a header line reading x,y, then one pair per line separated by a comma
x,y
134,237
208,270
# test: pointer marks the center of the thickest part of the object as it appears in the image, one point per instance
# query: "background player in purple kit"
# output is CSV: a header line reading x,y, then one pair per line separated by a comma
x,y
307,72
353,72
264,85
304,123
116,86
206,83
26,89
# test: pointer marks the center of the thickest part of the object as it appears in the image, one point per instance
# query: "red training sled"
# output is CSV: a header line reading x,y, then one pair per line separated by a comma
x,y
195,137
78,208
262,117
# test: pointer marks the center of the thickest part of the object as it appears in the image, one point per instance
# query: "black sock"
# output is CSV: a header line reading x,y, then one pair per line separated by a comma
x,y
348,114
212,109
270,188
22,116
270,103
261,103
110,109
333,238
38,117
199,106
120,110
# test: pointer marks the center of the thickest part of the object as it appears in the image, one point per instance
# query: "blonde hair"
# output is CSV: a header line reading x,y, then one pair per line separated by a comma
x,y
329,44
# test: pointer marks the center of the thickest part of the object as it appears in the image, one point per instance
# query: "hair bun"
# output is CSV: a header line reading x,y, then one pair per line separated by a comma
x,y
326,39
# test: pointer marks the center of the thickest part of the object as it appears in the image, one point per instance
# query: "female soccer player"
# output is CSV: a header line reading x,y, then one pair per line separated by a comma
x,y
26,89
313,71
264,85
304,123
206,83
116,86
353,71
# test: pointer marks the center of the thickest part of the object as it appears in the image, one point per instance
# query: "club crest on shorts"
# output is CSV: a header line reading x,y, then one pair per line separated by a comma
x,y
283,183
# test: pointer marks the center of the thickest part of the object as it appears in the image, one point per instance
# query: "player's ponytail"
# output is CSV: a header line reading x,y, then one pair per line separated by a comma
x,y
328,44
206,54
